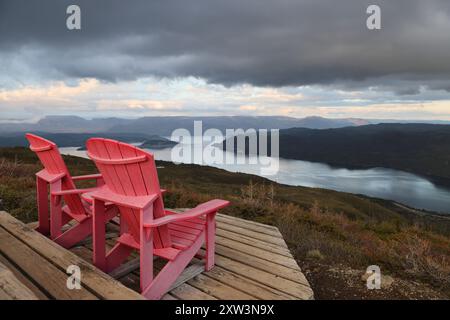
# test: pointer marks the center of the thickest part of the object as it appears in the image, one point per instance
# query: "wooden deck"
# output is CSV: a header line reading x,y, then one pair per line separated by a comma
x,y
252,262
40,265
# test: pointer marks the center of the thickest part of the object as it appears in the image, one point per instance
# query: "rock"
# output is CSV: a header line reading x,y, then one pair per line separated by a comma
x,y
365,276
386,281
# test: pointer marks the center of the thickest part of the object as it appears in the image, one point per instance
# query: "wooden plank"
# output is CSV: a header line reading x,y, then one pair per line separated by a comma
x,y
254,242
23,279
233,218
103,285
49,277
11,288
218,289
187,292
247,221
246,285
33,225
266,278
83,253
132,281
257,252
109,235
252,234
276,269
168,296
125,268
4,295
188,273
248,226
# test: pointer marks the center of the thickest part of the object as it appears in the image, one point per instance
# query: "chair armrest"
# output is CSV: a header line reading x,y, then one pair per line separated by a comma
x,y
134,202
50,177
163,191
88,177
72,191
205,208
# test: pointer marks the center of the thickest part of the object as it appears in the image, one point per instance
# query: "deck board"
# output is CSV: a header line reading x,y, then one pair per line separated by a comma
x,y
11,288
37,267
23,278
32,251
252,262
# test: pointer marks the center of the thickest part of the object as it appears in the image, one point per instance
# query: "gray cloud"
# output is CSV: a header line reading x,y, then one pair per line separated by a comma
x,y
261,42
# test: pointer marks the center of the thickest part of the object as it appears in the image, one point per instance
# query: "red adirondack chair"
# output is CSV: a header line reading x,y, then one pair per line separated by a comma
x,y
132,184
78,203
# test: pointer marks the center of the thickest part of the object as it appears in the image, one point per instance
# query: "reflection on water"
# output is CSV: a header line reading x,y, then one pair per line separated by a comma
x,y
399,186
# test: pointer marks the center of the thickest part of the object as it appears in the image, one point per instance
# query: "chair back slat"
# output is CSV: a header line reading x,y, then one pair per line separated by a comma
x,y
51,159
130,171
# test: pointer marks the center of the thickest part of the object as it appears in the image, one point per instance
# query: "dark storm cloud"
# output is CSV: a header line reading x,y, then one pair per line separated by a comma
x,y
261,42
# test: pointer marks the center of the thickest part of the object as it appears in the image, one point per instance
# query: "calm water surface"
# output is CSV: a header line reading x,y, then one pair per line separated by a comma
x,y
406,188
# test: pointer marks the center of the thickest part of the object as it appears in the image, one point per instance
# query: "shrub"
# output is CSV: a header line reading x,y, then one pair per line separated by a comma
x,y
315,255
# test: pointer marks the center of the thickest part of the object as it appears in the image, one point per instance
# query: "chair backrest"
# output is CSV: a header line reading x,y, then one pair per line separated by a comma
x,y
130,171
47,151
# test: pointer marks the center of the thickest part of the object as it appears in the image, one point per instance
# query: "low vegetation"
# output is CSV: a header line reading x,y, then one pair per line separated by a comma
x,y
323,228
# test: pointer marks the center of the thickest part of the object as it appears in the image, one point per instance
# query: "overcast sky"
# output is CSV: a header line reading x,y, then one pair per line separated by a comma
x,y
208,57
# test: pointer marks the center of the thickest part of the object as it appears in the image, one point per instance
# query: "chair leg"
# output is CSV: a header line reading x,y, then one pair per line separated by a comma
x,y
98,235
42,203
55,211
210,236
146,260
171,271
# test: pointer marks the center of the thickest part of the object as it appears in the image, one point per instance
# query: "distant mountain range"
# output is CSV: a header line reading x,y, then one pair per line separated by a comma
x,y
419,148
165,125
